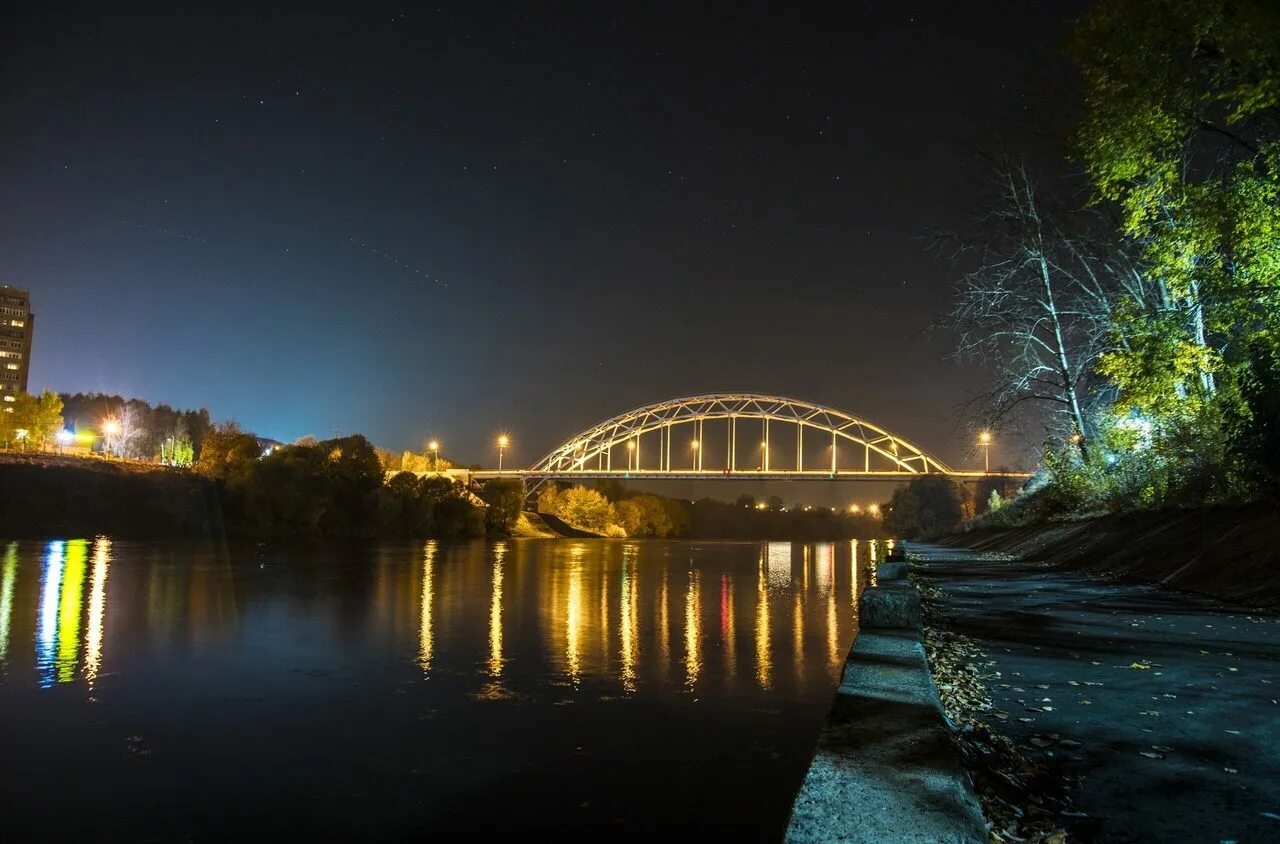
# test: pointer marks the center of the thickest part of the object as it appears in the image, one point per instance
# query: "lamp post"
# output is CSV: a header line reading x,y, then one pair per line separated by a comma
x,y
503,442
984,439
693,445
631,450
110,428
434,448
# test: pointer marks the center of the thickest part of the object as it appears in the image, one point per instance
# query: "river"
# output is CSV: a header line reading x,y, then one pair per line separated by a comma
x,y
182,691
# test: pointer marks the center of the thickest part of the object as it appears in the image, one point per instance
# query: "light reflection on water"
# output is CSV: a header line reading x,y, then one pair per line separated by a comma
x,y
742,631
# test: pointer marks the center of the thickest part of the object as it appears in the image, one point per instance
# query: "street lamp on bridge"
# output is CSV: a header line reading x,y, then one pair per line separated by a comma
x,y
503,442
434,448
984,439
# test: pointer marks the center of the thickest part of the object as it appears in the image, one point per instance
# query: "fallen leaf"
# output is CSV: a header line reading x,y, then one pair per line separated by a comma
x,y
1150,755
1141,666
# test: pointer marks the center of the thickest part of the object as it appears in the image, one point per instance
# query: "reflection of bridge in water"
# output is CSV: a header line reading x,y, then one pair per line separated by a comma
x,y
673,440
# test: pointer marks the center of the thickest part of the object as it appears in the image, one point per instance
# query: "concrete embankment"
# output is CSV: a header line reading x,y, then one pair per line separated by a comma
x,y
1231,553
885,768
44,496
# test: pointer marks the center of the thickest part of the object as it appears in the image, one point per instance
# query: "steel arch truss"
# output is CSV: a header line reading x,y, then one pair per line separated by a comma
x,y
876,452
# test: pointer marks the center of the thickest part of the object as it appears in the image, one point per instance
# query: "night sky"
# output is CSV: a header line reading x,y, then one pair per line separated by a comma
x,y
451,222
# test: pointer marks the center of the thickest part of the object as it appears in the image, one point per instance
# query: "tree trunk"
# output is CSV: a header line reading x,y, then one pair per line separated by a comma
x,y
1059,345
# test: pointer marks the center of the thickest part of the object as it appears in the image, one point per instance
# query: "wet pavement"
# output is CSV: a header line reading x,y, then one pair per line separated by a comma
x,y
1164,705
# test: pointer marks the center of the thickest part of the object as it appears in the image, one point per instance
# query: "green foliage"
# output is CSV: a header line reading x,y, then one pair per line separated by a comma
x,y
335,488
645,515
1184,459
1254,434
225,449
1180,131
995,501
38,418
505,499
1180,134
585,508
154,427
1155,366
177,450
925,507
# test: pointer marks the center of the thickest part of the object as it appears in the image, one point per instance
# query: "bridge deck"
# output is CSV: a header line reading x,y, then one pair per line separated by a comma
x,y
739,474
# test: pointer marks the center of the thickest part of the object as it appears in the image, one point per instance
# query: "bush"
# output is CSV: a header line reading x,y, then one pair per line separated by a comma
x,y
925,507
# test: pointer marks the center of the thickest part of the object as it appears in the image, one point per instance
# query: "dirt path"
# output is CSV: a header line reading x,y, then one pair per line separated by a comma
x,y
1165,706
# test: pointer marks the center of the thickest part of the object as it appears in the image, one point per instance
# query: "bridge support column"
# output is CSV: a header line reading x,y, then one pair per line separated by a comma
x,y
800,447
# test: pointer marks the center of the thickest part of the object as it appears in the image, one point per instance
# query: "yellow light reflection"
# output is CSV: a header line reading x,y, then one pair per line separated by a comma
x,y
664,626
728,628
495,613
779,563
692,631
426,635
797,630
97,609
853,571
833,631
574,619
627,619
8,575
764,658
824,564
70,609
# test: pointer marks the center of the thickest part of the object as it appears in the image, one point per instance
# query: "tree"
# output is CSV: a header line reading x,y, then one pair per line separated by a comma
x,y
505,499
1181,132
585,508
35,420
644,515
927,506
549,499
127,428
177,449
225,449
1037,307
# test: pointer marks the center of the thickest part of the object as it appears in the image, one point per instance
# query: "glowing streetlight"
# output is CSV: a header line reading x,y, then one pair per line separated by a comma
x,y
631,450
855,509
503,442
874,509
434,448
984,439
110,428
693,446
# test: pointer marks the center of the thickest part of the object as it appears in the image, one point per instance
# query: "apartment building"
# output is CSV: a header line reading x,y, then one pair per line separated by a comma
x,y
16,323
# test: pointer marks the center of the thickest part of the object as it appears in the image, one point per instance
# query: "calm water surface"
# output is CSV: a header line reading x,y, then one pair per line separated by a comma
x,y
164,691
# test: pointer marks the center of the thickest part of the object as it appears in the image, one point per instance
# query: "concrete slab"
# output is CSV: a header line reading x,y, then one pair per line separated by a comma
x,y
885,768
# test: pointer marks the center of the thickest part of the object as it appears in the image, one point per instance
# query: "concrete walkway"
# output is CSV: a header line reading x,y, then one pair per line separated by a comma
x,y
1165,705
885,768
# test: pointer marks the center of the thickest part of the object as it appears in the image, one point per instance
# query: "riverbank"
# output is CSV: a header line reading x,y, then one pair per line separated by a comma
x,y
885,766
1143,714
44,495
1230,553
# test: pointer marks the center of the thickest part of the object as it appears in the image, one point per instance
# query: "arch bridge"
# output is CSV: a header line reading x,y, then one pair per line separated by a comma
x,y
700,437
